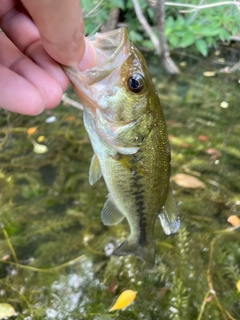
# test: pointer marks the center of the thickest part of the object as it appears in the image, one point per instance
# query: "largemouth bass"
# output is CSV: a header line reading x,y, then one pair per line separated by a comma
x,y
125,123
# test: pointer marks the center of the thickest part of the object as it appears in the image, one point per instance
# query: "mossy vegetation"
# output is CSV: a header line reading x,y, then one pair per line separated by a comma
x,y
55,252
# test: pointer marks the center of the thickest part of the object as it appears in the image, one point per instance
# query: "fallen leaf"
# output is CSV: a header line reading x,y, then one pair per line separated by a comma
x,y
201,137
70,118
6,311
170,122
209,298
185,145
162,292
40,138
187,181
124,300
31,130
238,285
234,220
214,153
179,142
6,257
112,286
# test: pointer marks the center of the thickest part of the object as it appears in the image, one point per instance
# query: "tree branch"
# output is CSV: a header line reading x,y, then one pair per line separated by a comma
x,y
159,43
168,63
199,7
146,26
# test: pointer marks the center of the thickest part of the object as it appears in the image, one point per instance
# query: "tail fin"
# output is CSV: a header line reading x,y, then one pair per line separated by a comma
x,y
169,216
145,253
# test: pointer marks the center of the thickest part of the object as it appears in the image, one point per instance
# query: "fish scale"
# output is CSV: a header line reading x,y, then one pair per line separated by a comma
x,y
126,127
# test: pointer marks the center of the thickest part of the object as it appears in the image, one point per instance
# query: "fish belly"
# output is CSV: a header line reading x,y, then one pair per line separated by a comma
x,y
137,185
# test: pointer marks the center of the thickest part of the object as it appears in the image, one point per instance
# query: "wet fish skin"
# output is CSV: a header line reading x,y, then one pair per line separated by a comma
x,y
126,126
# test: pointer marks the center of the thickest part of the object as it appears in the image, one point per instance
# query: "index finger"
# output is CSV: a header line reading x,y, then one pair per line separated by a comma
x,y
60,25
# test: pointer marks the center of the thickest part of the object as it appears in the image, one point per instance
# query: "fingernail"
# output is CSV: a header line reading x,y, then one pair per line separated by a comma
x,y
89,59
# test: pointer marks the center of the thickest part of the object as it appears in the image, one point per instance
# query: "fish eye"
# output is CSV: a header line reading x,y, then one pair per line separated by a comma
x,y
136,82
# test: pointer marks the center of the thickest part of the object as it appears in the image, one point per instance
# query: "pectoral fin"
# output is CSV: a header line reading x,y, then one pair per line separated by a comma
x,y
95,171
169,217
110,214
118,134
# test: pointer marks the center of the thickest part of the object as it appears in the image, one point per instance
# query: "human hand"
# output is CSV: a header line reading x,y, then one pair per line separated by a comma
x,y
39,35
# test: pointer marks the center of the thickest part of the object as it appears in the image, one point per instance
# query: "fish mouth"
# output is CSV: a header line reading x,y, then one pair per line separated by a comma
x,y
112,49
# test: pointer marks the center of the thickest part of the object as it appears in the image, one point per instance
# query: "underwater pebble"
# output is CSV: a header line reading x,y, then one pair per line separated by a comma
x,y
173,310
109,248
6,311
224,104
221,60
51,119
183,64
39,148
209,74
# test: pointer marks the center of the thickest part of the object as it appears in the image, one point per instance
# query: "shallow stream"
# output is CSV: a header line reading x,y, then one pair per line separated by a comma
x,y
54,249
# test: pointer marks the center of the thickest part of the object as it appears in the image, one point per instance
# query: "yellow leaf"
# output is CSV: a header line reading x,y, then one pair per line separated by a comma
x,y
40,138
31,130
238,285
6,311
188,181
124,300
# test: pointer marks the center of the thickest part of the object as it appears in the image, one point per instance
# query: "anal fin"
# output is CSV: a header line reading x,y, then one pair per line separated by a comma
x,y
110,214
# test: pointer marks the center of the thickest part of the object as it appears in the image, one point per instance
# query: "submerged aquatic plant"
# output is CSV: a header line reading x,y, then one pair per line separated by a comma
x,y
54,252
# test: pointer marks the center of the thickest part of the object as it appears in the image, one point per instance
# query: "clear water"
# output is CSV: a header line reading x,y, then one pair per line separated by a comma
x,y
55,252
